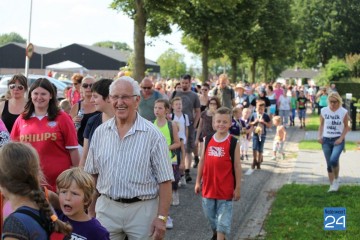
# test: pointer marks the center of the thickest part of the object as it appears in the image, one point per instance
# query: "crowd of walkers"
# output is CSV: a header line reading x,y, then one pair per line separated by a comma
x,y
107,161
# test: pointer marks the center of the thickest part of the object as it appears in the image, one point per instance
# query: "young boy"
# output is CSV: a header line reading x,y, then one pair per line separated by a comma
x,y
259,121
280,136
75,188
235,128
220,186
245,133
301,108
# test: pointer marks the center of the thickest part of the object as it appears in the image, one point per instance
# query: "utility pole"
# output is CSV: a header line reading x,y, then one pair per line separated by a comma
x,y
27,57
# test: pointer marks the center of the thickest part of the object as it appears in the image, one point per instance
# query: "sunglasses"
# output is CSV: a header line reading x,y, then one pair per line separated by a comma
x,y
146,88
19,87
204,89
86,85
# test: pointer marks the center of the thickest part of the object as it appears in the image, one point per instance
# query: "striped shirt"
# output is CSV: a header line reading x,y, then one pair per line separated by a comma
x,y
129,167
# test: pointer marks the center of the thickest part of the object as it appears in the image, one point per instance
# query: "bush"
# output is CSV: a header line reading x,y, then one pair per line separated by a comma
x,y
337,69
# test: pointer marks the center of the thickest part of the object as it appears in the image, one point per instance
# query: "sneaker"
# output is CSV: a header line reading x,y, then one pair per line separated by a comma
x,y
331,189
273,158
196,162
246,156
175,198
249,171
182,181
169,223
335,185
188,177
242,157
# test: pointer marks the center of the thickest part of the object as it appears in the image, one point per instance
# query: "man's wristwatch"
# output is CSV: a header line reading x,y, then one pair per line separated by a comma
x,y
162,218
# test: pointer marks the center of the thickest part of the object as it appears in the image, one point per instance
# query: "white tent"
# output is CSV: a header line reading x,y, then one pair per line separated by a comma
x,y
67,66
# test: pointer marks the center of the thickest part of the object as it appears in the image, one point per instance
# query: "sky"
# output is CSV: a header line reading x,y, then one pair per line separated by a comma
x,y
58,23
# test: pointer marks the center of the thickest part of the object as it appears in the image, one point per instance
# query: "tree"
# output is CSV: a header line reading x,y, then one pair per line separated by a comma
x,y
11,37
114,45
172,64
151,17
326,29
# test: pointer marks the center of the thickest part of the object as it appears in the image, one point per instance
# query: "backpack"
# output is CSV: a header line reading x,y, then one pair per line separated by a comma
x,y
233,142
47,226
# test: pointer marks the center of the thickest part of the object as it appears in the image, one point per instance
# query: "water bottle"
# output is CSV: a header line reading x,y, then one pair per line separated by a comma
x,y
80,115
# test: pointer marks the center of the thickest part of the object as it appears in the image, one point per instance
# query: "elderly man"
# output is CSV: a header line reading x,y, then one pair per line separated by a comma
x,y
148,96
128,158
225,93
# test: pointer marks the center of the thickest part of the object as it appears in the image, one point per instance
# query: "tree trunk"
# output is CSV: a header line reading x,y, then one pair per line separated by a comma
x,y
204,58
266,70
253,69
234,69
139,41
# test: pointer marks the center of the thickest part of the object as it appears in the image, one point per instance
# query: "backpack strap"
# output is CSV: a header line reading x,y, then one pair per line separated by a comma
x,y
233,142
39,220
169,123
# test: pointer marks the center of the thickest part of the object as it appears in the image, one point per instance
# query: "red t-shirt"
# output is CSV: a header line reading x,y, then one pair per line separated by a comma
x,y
73,95
218,178
51,139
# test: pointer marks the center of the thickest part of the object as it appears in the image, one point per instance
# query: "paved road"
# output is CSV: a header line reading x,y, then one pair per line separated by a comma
x,y
258,189
257,194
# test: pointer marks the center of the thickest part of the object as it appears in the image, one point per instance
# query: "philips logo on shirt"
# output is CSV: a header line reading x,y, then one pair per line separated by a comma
x,y
216,151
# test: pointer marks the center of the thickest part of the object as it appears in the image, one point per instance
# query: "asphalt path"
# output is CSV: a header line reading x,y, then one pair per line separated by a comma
x,y
257,193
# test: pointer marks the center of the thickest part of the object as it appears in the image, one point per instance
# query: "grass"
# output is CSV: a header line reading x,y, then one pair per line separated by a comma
x,y
314,145
298,212
312,122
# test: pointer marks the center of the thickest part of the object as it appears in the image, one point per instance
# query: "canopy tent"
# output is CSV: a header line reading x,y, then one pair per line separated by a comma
x,y
67,66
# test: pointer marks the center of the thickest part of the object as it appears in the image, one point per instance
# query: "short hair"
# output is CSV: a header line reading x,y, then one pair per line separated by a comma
x,y
175,99
65,104
164,101
216,99
206,85
22,80
277,119
224,110
82,179
186,77
134,84
102,87
236,110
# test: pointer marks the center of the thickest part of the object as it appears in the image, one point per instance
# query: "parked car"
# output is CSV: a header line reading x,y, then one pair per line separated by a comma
x,y
60,86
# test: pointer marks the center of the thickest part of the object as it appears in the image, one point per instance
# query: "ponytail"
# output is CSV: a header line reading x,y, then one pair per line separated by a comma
x,y
53,223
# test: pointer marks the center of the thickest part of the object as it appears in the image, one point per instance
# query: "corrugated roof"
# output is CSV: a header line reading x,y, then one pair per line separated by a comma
x,y
114,54
37,49
300,73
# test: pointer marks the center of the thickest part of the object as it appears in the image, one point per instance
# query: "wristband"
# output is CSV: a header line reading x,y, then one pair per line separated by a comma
x,y
162,218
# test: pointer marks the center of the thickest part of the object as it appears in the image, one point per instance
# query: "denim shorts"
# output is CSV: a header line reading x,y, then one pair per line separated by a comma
x,y
219,214
332,152
302,113
257,144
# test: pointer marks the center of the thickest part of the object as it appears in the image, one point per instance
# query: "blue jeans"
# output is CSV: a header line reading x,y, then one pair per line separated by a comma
x,y
219,214
332,152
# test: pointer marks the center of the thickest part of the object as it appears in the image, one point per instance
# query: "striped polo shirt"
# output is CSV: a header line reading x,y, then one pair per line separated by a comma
x,y
129,167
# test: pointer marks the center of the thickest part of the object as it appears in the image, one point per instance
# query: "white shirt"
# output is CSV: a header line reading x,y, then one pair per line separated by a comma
x,y
284,103
129,167
333,122
182,124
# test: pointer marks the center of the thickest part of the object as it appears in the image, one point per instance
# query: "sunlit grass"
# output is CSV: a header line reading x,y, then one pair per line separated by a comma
x,y
314,145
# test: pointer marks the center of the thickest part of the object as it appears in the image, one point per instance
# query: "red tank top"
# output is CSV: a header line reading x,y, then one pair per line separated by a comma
x,y
218,179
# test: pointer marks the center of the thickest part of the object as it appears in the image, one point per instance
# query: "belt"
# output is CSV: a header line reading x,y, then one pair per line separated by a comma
x,y
126,200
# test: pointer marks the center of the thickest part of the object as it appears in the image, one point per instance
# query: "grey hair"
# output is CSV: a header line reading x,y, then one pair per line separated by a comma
x,y
89,77
134,84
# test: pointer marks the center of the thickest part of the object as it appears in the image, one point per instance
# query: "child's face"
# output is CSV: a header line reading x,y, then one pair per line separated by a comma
x,y
260,107
160,110
72,202
222,123
246,114
98,102
177,106
237,115
276,122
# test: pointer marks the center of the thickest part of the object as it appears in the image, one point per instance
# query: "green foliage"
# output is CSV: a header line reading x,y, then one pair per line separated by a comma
x,y
349,87
116,45
353,61
172,64
298,210
11,37
337,69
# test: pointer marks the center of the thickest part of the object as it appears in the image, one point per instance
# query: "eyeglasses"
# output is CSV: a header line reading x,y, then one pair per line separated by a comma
x,y
212,103
19,87
205,89
261,105
87,85
146,88
124,98
334,102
